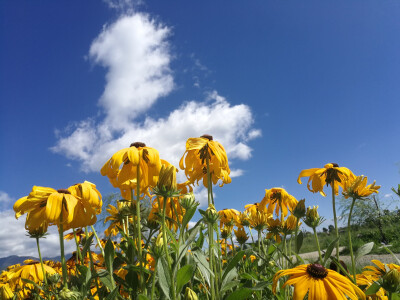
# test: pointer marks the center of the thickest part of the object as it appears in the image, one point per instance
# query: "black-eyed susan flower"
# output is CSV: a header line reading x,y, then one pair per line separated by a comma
x,y
365,281
47,204
228,217
117,217
290,224
280,200
122,169
330,173
319,283
357,188
31,270
194,161
274,227
241,235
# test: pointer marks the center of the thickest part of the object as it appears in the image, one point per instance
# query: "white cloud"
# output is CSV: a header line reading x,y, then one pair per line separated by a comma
x,y
122,5
236,173
5,198
15,242
388,195
135,52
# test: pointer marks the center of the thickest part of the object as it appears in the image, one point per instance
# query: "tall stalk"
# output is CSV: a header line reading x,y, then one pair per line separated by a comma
x,y
63,263
41,261
163,224
335,219
78,250
98,240
319,248
353,264
210,228
139,233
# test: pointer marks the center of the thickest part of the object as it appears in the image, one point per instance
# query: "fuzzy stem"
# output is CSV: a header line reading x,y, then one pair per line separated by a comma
x,y
139,233
353,264
41,261
63,263
98,240
78,250
319,248
335,219
165,238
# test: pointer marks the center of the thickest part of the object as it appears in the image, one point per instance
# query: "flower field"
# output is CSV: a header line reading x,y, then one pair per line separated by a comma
x,y
152,253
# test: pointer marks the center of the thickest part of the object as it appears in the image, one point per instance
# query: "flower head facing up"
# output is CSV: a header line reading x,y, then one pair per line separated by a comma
x,y
357,187
123,167
329,174
279,200
194,161
319,283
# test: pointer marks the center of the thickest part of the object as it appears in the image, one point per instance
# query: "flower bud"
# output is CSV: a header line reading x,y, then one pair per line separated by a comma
x,y
67,294
391,281
300,209
312,218
211,214
158,246
166,185
190,294
188,201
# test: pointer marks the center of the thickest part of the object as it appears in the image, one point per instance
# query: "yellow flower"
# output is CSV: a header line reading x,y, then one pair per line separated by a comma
x,y
228,216
125,178
32,270
173,211
290,224
226,231
243,219
47,204
89,193
241,235
366,281
330,173
6,292
117,216
194,161
274,226
79,235
357,187
279,200
320,283
258,216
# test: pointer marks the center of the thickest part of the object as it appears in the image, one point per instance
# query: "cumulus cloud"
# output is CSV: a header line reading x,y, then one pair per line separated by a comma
x,y
5,198
15,242
136,53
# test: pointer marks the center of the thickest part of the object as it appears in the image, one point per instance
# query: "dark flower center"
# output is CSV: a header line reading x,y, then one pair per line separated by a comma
x,y
335,165
138,145
63,191
207,136
317,271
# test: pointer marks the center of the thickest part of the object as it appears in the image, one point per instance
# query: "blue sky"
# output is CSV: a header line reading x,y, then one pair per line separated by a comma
x,y
283,85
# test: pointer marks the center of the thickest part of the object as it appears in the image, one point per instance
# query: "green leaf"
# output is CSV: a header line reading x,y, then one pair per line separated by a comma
x,y
112,295
299,241
200,240
105,279
183,276
163,276
373,288
142,297
109,256
86,247
240,294
260,286
229,277
229,286
233,263
188,216
329,250
364,250
203,265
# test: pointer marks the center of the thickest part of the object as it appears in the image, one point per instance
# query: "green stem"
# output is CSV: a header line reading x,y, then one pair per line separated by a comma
x,y
78,250
139,233
41,261
165,238
335,219
319,248
92,266
98,240
353,264
153,284
63,263
210,227
296,234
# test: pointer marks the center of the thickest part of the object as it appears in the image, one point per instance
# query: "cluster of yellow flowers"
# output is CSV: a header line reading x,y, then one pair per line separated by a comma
x,y
139,172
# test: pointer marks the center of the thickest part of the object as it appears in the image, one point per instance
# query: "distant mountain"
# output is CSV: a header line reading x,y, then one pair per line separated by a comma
x,y
14,259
